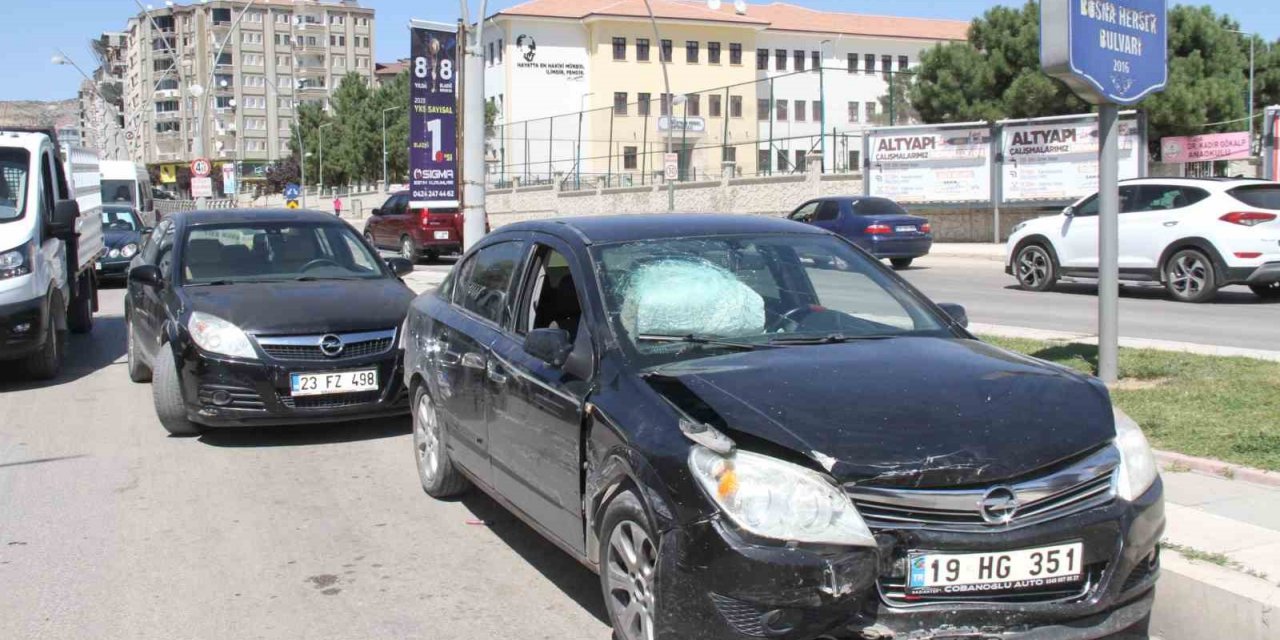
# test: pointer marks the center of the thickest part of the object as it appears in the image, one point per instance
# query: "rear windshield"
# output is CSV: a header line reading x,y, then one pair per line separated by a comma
x,y
118,191
13,183
1261,196
878,207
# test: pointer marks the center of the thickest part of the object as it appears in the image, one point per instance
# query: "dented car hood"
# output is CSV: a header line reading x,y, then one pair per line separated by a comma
x,y
923,412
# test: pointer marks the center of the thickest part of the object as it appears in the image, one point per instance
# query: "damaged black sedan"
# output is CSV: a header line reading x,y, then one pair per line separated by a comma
x,y
750,428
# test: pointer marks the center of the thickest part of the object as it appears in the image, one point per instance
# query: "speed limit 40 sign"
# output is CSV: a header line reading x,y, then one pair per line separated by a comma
x,y
201,167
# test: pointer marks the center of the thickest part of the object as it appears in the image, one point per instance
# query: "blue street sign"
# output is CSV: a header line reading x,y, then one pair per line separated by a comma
x,y
1107,51
291,191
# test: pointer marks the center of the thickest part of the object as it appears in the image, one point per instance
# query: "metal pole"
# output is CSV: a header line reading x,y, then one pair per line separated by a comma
x,y
644,143
385,180
684,139
1108,240
473,195
724,137
321,193
202,115
822,100
772,111
608,180
577,155
666,83
1252,42
892,102
551,148
302,160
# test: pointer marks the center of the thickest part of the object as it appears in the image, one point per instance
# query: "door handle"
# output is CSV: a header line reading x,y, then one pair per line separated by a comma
x,y
473,360
496,376
1171,223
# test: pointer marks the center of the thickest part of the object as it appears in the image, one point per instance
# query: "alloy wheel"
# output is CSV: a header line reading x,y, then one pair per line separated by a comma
x,y
426,439
1188,274
406,249
1033,267
632,560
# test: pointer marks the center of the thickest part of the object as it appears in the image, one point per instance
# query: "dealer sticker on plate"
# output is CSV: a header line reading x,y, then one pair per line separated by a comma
x,y
316,384
999,572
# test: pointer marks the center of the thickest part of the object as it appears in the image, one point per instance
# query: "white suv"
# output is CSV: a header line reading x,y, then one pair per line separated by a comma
x,y
1191,235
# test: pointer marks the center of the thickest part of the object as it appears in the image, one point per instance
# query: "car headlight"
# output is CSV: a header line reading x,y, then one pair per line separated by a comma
x,y
1138,470
113,253
215,335
779,500
16,262
129,250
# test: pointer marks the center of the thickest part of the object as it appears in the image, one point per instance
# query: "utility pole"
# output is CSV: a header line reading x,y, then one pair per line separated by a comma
x,y
473,129
671,110
321,192
385,183
577,161
1252,41
822,100
1108,240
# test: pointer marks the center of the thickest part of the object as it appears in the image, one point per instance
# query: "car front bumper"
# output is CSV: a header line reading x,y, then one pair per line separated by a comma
x,y
722,586
222,392
23,328
114,268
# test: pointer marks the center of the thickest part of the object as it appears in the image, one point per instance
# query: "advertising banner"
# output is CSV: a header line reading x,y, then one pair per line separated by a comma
x,y
938,165
1059,161
1213,146
229,179
433,116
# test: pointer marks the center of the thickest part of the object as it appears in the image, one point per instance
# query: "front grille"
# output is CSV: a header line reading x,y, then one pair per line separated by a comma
x,y
893,592
1082,485
243,398
331,402
307,348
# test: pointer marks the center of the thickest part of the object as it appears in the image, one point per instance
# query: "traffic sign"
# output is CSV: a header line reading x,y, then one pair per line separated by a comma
x,y
1107,51
201,167
201,187
671,166
291,191
292,204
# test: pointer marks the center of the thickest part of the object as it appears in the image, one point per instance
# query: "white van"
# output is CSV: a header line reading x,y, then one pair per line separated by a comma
x,y
125,182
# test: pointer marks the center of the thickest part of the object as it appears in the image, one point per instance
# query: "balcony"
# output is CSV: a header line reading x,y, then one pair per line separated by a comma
x,y
308,87
311,43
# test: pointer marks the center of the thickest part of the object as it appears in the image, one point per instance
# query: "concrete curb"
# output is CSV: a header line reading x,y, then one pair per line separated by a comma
x,y
1131,343
1197,600
1219,468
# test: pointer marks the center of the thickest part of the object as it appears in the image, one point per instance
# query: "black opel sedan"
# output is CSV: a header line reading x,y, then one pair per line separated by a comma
x,y
750,428
260,317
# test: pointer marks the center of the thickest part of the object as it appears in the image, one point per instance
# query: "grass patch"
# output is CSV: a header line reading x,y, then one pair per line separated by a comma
x,y
1212,557
1207,406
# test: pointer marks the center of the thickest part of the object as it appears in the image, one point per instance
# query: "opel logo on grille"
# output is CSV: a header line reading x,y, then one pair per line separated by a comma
x,y
998,505
331,346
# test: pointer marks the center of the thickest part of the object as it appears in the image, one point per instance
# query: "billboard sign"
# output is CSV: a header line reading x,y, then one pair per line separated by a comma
x,y
1058,160
1107,51
1212,146
930,165
433,115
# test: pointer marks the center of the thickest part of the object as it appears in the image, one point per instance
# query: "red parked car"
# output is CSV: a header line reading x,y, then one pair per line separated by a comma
x,y
415,233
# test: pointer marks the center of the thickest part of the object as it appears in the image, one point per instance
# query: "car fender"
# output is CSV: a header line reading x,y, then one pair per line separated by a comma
x,y
1194,242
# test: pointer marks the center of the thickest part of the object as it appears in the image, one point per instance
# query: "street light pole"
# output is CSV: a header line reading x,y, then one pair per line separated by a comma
x,y
822,100
666,83
322,127
118,146
385,182
202,95
577,161
1252,42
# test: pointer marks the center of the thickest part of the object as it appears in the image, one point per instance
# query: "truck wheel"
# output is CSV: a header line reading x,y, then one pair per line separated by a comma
x,y
80,315
45,363
166,392
138,372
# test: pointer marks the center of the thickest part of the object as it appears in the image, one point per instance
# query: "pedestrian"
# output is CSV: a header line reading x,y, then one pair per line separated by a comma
x,y
337,206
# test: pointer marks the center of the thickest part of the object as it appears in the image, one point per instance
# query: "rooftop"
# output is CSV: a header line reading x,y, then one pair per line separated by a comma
x,y
659,226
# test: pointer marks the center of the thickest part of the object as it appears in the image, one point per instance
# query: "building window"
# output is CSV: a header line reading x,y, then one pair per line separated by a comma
x,y
642,104
715,105
855,160
713,52
853,63
693,104
282,61
223,59
488,56
630,158
854,112
762,159
337,19
801,114
869,63
730,154
800,154
501,48
167,84
781,106
735,53
222,102
762,109
799,58
253,59
620,103
166,106
254,80
642,49
817,111
735,106
338,41
783,163
902,63
619,48
221,16
666,50
691,51
886,66
762,59
283,18
251,37
362,62
871,112
780,60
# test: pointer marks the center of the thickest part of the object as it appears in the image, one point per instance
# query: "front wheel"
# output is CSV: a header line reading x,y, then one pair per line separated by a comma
x,y
368,237
629,567
900,263
166,392
440,479
1035,268
1189,276
1267,291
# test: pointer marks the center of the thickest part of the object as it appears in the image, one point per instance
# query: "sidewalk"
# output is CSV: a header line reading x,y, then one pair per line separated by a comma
x,y
972,250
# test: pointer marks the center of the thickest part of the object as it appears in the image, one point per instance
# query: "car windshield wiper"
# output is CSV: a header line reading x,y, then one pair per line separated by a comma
x,y
704,340
213,283
830,338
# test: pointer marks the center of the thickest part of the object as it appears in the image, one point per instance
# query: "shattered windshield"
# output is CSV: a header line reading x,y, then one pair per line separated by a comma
x,y
739,292
13,183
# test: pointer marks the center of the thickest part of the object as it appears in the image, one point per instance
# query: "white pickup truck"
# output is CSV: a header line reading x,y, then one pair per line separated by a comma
x,y
50,239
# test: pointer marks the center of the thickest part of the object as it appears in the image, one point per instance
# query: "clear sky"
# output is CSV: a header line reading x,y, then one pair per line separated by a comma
x,y
33,29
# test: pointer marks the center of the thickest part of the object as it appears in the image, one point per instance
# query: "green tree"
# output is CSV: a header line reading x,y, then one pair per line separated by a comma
x,y
310,116
895,104
394,95
356,150
1208,77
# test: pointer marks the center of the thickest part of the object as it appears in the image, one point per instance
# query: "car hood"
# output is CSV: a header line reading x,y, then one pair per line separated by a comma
x,y
900,412
301,308
116,238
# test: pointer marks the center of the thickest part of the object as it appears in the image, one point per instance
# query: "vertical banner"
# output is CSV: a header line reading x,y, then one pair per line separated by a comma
x,y
1271,144
433,115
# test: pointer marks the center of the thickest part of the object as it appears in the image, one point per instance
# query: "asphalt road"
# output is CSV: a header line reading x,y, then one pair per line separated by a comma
x,y
111,529
1237,318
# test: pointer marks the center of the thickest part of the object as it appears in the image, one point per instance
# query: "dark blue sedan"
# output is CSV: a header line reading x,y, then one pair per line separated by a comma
x,y
878,225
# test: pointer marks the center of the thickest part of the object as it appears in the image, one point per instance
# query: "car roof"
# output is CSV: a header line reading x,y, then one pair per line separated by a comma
x,y
1218,183
222,216
661,226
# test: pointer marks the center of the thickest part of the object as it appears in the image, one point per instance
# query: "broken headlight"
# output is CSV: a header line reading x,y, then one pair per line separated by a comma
x,y
775,499
1137,464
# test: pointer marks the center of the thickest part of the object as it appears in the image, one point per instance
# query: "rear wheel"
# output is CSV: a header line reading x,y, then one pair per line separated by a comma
x,y
900,263
1268,291
440,479
1035,269
166,392
80,318
628,568
408,249
368,237
45,363
1189,276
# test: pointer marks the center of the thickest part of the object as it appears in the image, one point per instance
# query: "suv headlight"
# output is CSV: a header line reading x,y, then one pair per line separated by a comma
x,y
215,335
1138,470
775,499
16,262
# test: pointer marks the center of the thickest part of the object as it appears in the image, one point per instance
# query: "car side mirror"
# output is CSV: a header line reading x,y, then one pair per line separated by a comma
x,y
400,266
1069,212
957,313
551,346
65,213
148,275
377,211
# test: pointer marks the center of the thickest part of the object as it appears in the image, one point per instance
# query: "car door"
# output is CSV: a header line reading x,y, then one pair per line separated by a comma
x,y
148,303
805,213
1077,244
471,322
380,222
1150,221
396,223
827,216
535,433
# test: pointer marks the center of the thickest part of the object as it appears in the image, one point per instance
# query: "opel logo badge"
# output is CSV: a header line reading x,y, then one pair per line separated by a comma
x,y
331,346
998,505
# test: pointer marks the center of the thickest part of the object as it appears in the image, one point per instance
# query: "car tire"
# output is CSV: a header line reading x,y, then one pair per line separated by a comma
x,y
440,479
1189,276
166,392
80,317
900,263
408,249
138,372
1035,268
628,568
47,362
432,257
1266,291
368,237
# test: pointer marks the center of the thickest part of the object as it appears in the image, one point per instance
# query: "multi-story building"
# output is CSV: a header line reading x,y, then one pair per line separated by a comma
x,y
101,98
580,92
245,69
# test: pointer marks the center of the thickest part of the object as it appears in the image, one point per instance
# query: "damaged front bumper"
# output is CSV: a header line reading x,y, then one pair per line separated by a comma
x,y
721,584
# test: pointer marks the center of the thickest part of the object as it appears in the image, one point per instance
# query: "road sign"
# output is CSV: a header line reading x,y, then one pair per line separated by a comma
x,y
671,166
201,168
1107,51
292,204
291,191
201,187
